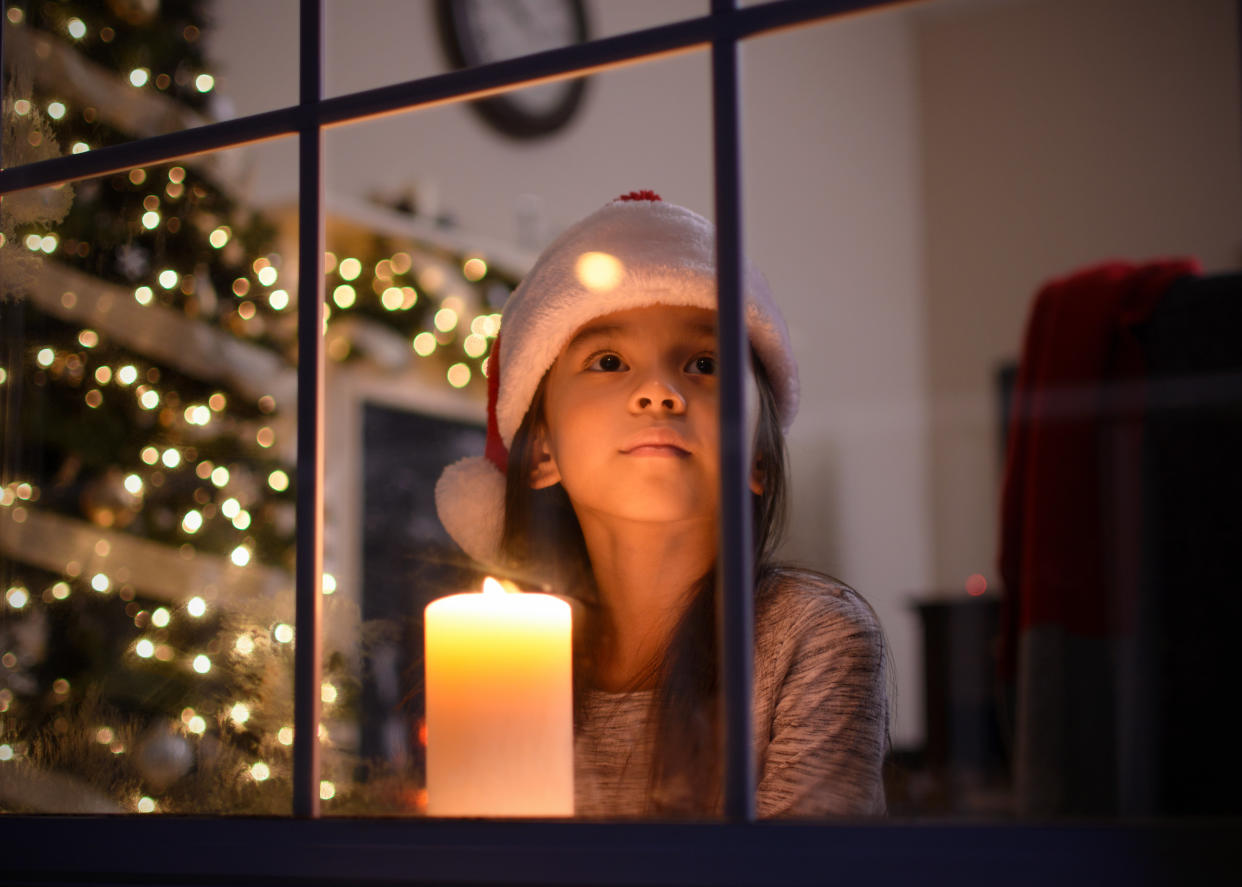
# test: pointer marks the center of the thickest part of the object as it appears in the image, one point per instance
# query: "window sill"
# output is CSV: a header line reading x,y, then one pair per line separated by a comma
x,y
176,850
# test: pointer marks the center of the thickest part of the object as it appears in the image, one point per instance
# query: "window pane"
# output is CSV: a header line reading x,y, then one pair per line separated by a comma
x,y
821,117
914,178
426,247
88,75
379,43
148,388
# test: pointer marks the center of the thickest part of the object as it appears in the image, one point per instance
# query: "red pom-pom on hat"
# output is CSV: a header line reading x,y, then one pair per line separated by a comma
x,y
640,195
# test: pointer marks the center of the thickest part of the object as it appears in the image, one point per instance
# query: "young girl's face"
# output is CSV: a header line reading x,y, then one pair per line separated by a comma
x,y
630,417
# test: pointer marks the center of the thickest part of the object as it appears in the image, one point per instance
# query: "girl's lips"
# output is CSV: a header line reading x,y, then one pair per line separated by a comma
x,y
656,442
656,450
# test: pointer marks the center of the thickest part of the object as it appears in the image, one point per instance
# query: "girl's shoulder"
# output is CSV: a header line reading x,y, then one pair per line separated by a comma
x,y
797,600
813,632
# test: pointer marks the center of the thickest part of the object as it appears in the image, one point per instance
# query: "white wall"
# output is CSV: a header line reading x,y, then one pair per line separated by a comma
x,y
831,173
910,177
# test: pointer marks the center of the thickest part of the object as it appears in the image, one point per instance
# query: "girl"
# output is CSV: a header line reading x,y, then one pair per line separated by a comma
x,y
600,479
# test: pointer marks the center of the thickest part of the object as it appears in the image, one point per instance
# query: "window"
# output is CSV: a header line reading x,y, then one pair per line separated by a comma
x,y
319,128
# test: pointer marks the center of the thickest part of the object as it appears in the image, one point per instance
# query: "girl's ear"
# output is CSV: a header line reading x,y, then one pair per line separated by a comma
x,y
544,473
756,476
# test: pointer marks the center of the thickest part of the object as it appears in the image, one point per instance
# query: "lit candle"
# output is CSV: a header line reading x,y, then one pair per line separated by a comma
x,y
499,696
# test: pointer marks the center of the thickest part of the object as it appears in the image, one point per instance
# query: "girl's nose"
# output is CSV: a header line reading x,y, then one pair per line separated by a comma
x,y
656,395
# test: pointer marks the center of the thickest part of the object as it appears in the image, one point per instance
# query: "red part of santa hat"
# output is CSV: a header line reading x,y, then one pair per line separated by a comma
x,y
496,451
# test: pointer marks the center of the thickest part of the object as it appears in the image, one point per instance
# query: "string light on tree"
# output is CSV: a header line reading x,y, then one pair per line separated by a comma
x,y
424,344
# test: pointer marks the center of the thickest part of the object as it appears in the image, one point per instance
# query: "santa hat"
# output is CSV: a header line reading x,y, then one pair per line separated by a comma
x,y
635,252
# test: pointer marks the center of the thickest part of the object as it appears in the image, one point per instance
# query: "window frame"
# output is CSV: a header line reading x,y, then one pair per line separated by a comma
x,y
738,850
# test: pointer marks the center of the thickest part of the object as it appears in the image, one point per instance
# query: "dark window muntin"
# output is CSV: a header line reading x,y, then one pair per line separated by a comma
x,y
279,850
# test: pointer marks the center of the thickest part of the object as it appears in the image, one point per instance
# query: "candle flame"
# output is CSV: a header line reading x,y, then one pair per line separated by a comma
x,y
499,586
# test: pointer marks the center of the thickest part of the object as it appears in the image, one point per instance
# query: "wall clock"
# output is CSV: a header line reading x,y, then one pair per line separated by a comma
x,y
477,32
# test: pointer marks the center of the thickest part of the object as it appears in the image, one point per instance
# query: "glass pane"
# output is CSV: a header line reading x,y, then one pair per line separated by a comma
x,y
379,43
148,388
821,114
425,250
914,181
80,76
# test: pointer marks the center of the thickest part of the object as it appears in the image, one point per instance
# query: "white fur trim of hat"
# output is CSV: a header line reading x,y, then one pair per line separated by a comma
x,y
635,252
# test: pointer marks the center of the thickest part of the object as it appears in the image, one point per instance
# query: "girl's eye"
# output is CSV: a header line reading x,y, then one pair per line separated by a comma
x,y
704,365
607,363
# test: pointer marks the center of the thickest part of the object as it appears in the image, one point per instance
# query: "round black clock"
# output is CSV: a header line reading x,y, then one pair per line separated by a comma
x,y
477,32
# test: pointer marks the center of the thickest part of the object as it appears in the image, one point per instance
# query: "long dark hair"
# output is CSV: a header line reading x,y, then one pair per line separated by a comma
x,y
543,544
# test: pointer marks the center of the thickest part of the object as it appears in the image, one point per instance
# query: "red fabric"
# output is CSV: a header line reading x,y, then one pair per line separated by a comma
x,y
1076,404
495,450
640,195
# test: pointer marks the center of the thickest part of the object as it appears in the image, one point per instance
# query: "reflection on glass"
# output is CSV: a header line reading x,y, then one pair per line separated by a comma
x,y
147,387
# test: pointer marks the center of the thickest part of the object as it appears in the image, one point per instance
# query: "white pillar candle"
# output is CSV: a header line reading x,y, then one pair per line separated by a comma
x,y
499,695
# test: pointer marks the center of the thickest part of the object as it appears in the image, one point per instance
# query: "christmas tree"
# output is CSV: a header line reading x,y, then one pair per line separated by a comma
x,y
147,382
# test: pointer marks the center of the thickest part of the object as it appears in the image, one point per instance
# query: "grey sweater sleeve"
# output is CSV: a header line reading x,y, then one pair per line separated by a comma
x,y
820,712
820,676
